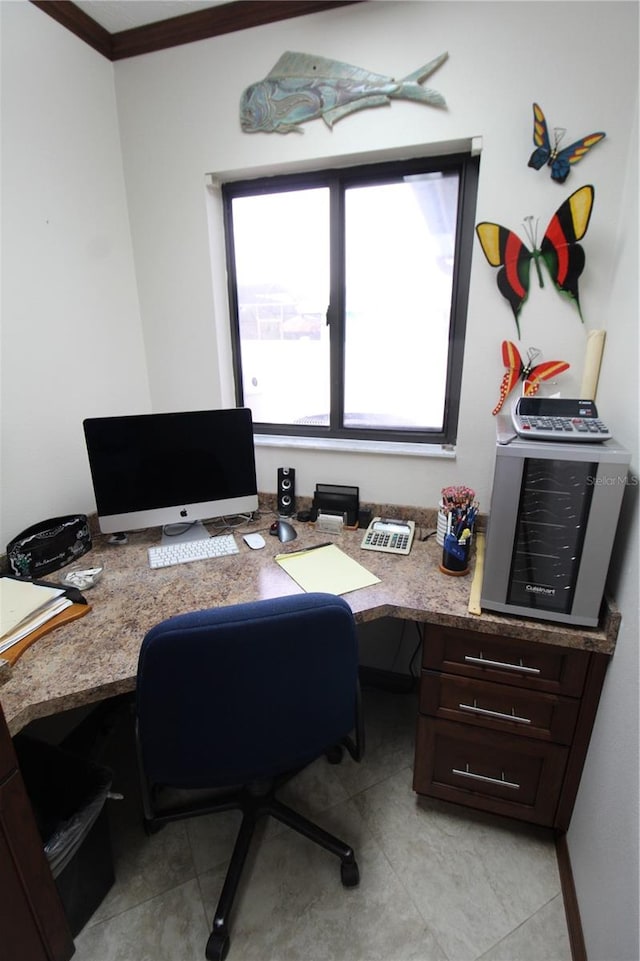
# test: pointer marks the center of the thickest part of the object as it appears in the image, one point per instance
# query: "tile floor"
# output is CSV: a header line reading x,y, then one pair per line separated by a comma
x,y
438,882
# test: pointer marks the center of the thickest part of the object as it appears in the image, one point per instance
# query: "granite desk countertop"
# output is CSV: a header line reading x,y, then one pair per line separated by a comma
x,y
95,657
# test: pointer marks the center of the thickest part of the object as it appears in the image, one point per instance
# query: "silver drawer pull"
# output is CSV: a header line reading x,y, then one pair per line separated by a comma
x,y
501,665
474,709
488,780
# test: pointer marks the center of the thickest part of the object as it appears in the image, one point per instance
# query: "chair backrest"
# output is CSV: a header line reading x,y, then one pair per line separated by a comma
x,y
242,693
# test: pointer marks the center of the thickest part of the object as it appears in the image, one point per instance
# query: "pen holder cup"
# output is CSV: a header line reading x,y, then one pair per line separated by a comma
x,y
455,556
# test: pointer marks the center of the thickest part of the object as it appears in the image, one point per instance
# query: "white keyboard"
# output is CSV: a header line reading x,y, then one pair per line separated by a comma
x,y
166,555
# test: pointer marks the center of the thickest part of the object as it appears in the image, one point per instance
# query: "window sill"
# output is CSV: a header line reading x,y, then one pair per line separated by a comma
x,y
387,448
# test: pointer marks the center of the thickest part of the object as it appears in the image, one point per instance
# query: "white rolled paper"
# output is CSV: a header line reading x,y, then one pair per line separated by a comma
x,y
592,361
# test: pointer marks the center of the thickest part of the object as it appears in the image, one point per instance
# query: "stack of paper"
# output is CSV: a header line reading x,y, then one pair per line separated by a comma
x,y
24,607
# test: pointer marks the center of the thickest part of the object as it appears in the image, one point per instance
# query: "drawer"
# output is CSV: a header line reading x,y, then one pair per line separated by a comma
x,y
499,707
505,660
490,771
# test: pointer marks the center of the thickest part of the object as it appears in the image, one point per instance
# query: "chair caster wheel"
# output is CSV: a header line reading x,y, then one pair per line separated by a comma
x,y
349,874
217,946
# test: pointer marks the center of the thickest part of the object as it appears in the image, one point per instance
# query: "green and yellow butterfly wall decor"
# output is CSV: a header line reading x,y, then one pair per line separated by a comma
x,y
562,255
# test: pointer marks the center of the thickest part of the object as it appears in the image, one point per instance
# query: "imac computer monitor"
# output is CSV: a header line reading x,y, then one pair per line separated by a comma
x,y
156,470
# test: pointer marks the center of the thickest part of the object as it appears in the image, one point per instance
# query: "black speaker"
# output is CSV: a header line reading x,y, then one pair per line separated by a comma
x,y
286,491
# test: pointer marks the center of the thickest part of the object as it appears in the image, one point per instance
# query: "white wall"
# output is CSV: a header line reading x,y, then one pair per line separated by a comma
x,y
71,336
179,120
603,834
76,343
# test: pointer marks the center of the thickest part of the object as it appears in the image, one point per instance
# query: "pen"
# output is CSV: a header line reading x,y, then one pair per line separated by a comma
x,y
304,550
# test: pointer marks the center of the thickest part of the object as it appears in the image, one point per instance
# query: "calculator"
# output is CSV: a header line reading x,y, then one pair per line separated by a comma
x,y
390,536
558,418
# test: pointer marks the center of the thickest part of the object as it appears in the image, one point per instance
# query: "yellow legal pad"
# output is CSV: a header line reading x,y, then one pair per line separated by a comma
x,y
326,569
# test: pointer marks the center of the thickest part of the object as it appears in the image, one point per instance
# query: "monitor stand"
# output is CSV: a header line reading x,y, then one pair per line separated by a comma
x,y
182,533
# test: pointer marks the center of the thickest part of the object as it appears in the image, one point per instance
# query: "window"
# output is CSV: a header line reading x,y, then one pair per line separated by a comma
x,y
348,292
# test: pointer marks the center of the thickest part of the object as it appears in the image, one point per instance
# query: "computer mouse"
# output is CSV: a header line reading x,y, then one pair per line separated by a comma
x,y
254,541
284,530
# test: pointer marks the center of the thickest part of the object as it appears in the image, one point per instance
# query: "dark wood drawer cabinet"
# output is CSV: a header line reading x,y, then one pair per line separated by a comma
x,y
504,724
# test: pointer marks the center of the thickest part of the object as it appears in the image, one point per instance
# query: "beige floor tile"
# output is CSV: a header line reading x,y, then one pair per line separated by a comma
x,y
293,907
170,927
543,937
438,882
144,866
473,877
390,723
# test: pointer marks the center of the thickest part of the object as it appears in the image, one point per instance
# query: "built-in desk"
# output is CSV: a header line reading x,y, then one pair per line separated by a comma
x,y
96,656
480,676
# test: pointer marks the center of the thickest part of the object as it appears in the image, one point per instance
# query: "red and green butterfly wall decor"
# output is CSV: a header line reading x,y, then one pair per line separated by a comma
x,y
549,153
528,372
559,250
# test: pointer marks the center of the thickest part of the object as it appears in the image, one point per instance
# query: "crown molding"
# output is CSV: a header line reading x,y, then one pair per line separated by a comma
x,y
188,28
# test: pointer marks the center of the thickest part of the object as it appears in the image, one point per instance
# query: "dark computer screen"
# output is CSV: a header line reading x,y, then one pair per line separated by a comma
x,y
156,469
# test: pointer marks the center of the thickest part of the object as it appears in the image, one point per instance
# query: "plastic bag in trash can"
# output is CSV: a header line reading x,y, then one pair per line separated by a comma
x,y
67,794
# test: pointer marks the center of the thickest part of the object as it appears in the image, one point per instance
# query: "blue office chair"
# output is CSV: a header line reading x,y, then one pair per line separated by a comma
x,y
238,699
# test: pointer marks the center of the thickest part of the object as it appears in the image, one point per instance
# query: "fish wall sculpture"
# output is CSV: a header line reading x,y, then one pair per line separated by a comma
x,y
302,87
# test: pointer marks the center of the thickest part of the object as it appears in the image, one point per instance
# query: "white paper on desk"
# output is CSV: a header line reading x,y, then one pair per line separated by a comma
x,y
22,599
30,624
326,569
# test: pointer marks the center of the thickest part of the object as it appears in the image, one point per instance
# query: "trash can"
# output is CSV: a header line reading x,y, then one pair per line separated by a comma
x,y
68,795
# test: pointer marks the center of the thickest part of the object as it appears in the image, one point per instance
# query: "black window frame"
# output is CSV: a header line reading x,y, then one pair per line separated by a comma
x,y
338,180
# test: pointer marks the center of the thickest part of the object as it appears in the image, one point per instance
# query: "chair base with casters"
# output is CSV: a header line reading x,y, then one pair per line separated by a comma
x,y
281,721
254,802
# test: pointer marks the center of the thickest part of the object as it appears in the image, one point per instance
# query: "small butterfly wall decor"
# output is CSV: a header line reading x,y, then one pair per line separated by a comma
x,y
549,153
559,250
530,373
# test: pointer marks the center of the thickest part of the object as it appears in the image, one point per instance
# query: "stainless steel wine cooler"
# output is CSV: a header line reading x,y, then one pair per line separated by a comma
x,y
552,523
